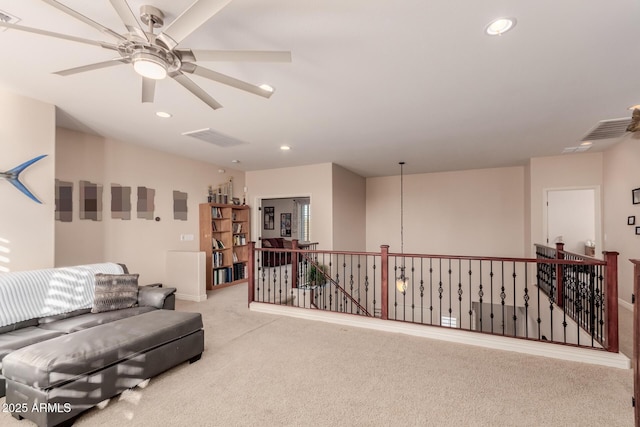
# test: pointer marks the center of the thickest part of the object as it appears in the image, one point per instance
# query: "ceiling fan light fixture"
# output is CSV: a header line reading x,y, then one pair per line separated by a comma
x,y
500,26
149,65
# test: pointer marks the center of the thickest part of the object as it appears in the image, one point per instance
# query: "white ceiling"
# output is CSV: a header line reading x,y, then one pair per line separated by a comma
x,y
372,82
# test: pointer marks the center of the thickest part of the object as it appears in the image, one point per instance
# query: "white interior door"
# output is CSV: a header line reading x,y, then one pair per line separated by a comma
x,y
571,216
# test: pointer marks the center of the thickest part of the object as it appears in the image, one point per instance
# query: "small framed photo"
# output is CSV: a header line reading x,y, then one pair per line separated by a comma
x,y
637,230
631,220
636,196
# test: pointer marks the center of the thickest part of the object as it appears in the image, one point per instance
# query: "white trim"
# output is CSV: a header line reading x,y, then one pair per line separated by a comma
x,y
570,353
622,303
190,297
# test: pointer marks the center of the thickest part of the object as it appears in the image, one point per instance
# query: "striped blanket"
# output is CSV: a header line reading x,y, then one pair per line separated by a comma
x,y
32,294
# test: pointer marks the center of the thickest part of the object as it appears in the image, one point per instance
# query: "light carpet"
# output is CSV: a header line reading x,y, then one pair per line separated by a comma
x,y
266,370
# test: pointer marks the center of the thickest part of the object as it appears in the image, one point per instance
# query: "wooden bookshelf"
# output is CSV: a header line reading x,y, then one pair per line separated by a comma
x,y
224,237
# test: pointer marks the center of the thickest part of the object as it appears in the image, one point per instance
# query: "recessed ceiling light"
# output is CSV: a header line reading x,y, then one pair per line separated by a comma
x,y
266,87
285,148
586,143
235,161
163,114
500,26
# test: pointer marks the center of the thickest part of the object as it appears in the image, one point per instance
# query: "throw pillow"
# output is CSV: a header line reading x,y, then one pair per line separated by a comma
x,y
115,292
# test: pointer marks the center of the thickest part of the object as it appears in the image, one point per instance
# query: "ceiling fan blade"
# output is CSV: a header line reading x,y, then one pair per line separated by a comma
x,y
148,89
188,84
224,79
84,19
190,20
59,35
236,55
90,67
128,18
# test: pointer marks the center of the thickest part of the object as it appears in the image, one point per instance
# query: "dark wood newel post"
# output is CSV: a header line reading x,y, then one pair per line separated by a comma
x,y
559,275
611,301
252,265
384,287
295,257
635,365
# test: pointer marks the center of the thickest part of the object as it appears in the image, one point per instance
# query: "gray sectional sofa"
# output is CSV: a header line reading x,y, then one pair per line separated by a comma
x,y
59,357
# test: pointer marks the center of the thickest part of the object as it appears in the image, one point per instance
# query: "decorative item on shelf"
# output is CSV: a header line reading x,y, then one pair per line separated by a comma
x,y
401,281
590,248
223,194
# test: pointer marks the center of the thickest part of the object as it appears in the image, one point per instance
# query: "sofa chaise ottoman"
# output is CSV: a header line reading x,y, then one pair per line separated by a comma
x,y
55,380
84,333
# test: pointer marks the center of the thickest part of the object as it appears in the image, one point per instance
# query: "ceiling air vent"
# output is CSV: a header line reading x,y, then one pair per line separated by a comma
x,y
607,129
213,137
8,18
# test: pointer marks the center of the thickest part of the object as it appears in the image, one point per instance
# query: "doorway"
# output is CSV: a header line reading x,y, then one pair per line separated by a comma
x,y
573,217
288,217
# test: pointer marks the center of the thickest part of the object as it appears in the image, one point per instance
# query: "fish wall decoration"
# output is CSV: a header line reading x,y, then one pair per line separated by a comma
x,y
13,176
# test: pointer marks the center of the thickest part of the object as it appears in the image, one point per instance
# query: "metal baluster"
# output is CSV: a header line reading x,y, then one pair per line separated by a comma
x,y
431,290
480,294
470,303
491,305
421,290
440,290
410,286
526,300
539,320
515,317
460,293
502,296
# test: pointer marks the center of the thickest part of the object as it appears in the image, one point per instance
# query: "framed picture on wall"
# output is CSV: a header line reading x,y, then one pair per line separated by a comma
x,y
635,194
285,225
631,220
269,218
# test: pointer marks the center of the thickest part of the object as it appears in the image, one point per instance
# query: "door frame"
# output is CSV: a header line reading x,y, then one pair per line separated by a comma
x,y
597,214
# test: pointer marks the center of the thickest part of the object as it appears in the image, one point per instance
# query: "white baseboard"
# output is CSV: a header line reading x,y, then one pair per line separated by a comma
x,y
556,351
189,297
624,304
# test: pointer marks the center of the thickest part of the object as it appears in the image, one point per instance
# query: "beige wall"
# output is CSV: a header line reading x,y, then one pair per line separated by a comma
x,y
26,227
620,177
568,171
349,210
314,181
476,212
141,244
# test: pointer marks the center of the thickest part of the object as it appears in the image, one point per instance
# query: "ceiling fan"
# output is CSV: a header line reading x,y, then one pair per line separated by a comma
x,y
156,56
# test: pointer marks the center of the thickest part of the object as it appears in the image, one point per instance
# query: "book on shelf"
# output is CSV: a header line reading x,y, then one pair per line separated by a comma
x,y
222,275
218,244
239,240
237,227
235,257
214,227
217,259
216,212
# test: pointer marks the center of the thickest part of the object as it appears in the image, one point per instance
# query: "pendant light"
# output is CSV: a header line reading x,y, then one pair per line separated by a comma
x,y
401,281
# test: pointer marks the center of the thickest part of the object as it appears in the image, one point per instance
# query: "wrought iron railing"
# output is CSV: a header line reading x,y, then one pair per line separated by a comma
x,y
515,297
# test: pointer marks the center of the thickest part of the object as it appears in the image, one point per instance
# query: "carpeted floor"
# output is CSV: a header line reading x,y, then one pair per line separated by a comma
x,y
265,370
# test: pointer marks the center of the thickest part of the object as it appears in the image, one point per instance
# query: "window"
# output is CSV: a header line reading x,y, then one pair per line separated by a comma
x,y
304,219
